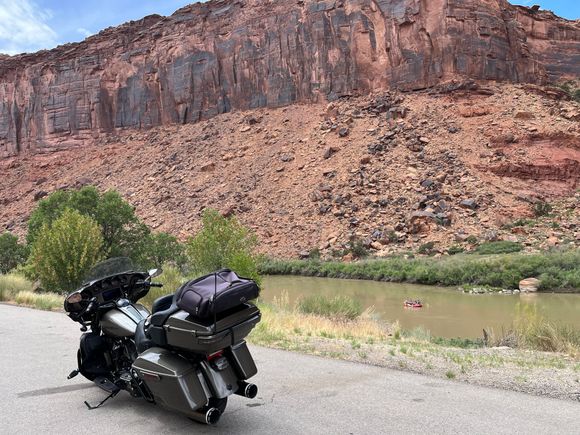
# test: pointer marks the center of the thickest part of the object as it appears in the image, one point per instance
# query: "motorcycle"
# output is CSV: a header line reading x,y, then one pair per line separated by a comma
x,y
185,357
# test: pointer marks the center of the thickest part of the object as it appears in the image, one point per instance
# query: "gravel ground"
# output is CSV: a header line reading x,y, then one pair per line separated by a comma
x,y
538,373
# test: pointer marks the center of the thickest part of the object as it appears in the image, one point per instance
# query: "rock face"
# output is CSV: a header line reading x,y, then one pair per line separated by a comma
x,y
224,55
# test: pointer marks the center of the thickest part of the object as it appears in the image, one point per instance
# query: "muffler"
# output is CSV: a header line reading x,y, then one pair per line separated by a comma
x,y
210,416
247,390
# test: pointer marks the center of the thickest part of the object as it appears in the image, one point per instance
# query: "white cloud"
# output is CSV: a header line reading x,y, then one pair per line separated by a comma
x,y
86,33
24,28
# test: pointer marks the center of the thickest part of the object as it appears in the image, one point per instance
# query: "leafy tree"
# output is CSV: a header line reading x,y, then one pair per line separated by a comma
x,y
223,243
123,234
12,253
163,248
64,251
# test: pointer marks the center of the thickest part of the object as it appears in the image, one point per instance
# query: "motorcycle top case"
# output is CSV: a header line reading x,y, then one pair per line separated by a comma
x,y
215,293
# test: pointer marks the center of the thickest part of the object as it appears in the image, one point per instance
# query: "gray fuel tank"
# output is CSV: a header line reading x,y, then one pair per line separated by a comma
x,y
122,321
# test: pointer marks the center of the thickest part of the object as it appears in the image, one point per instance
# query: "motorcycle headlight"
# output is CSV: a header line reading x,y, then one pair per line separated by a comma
x,y
74,298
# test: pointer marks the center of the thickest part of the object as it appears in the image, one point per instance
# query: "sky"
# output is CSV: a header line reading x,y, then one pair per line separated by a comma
x,y
31,25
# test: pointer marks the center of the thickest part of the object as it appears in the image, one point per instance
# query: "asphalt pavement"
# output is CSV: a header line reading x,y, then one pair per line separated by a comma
x,y
299,394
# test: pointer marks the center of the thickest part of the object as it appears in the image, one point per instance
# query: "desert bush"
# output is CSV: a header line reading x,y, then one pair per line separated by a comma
x,y
223,243
66,250
542,208
12,253
337,307
426,248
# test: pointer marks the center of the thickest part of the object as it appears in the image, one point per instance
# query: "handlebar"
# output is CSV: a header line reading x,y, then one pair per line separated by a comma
x,y
155,284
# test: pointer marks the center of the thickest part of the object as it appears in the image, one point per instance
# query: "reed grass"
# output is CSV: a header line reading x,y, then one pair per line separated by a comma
x,y
337,307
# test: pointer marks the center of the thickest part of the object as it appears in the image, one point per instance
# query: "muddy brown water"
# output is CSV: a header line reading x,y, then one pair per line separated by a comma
x,y
447,312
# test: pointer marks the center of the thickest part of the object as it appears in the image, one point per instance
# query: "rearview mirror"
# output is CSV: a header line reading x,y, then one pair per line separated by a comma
x,y
155,272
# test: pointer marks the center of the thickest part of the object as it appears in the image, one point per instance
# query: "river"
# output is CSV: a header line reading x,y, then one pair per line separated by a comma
x,y
447,312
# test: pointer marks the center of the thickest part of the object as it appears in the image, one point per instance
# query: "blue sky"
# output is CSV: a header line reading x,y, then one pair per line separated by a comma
x,y
31,25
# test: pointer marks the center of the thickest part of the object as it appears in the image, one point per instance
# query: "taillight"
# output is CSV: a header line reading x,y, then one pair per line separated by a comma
x,y
216,355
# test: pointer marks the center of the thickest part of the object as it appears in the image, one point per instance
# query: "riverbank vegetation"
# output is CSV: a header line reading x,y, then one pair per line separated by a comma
x,y
556,270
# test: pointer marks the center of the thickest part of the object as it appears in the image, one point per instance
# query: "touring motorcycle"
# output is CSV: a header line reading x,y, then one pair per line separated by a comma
x,y
188,354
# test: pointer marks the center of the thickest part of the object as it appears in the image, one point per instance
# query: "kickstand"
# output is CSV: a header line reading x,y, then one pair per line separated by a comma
x,y
113,394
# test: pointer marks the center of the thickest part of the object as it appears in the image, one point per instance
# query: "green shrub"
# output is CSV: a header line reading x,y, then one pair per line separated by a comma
x,y
472,240
542,208
12,253
223,243
122,232
454,250
66,250
357,248
338,307
426,248
501,247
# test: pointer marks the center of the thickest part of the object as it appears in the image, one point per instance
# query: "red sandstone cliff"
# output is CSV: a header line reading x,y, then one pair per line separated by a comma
x,y
223,55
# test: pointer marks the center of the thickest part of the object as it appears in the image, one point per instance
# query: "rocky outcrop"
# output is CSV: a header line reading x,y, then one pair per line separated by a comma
x,y
224,55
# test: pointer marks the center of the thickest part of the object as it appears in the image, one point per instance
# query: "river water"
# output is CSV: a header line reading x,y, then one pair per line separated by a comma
x,y
447,312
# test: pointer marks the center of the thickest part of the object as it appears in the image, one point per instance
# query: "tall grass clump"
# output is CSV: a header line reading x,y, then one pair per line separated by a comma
x,y
11,284
337,307
42,301
532,331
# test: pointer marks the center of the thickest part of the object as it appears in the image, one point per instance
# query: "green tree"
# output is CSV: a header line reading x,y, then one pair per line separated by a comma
x,y
223,243
123,233
163,248
12,253
64,251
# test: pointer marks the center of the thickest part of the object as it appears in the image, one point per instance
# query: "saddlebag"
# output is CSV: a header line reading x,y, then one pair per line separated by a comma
x,y
215,293
174,382
91,356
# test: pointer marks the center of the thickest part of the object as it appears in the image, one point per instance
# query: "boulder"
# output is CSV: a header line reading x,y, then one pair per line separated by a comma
x,y
529,285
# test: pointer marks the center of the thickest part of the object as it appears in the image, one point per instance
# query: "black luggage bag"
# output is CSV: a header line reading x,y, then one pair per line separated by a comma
x,y
215,293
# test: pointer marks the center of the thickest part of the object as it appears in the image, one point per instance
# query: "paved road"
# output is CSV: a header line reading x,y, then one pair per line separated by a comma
x,y
298,394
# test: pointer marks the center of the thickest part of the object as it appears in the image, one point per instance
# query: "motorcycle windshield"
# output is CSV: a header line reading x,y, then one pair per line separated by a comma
x,y
113,266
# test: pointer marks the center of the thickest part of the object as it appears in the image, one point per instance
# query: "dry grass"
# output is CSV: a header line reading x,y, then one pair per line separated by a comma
x,y
42,301
532,331
282,322
11,284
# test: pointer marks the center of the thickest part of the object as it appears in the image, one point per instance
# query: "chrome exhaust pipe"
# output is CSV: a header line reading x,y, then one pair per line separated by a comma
x,y
210,417
247,390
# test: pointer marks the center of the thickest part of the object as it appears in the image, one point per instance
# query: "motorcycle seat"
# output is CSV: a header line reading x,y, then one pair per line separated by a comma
x,y
162,303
